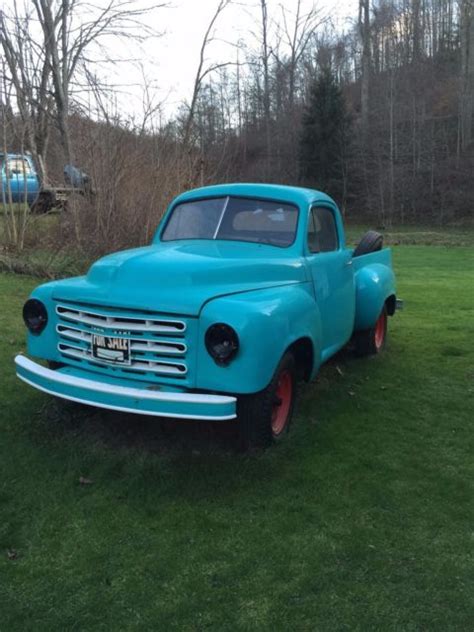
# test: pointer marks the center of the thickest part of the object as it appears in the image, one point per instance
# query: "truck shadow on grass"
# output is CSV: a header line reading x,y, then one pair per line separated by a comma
x,y
118,431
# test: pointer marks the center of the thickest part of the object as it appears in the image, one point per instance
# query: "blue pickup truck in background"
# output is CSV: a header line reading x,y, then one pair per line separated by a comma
x,y
245,289
20,183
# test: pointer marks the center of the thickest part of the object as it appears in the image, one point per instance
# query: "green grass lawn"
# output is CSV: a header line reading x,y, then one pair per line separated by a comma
x,y
361,520
415,235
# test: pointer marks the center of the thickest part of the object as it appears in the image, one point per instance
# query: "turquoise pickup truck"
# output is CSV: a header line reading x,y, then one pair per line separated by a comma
x,y
245,289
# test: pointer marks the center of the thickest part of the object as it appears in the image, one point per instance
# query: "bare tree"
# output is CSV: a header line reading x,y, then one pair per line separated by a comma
x,y
30,80
203,71
15,217
266,84
364,30
298,34
467,72
56,57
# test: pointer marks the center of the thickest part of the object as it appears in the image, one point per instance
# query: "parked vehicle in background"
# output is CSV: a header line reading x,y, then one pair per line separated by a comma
x,y
245,289
20,183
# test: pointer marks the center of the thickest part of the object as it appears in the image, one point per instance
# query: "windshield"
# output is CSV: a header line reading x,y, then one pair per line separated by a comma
x,y
235,219
17,166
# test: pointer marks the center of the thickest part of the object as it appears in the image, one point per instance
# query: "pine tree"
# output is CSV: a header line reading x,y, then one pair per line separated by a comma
x,y
324,137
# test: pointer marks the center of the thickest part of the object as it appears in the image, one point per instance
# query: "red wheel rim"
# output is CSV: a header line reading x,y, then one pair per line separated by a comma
x,y
380,328
282,404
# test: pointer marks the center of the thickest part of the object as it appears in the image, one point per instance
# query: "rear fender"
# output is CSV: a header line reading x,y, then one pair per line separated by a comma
x,y
375,283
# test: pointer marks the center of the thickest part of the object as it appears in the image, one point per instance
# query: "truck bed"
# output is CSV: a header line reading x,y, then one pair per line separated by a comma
x,y
383,257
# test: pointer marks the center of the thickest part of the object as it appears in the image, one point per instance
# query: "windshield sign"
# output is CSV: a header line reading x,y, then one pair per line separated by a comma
x,y
234,219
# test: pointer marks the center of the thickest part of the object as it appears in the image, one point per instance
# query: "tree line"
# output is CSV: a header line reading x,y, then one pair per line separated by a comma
x,y
378,114
381,115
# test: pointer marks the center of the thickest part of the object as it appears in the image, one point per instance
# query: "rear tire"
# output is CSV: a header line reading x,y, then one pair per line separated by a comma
x,y
265,417
372,341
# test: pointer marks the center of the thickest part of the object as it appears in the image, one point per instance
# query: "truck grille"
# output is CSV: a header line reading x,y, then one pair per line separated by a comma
x,y
158,346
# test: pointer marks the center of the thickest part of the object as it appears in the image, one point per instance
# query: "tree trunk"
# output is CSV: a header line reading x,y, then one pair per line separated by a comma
x,y
266,86
467,72
364,28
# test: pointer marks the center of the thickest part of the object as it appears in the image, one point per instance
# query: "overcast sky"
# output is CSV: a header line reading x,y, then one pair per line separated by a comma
x,y
170,62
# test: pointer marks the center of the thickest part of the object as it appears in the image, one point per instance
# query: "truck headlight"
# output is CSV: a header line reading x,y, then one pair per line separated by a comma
x,y
35,315
222,343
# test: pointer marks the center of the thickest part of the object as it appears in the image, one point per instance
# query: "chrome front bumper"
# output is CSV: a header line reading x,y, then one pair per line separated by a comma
x,y
76,385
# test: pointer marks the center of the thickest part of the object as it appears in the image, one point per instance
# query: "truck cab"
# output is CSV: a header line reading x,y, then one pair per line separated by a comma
x,y
245,289
19,180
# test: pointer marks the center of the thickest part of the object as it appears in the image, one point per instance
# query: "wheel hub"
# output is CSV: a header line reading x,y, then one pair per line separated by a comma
x,y
282,403
380,330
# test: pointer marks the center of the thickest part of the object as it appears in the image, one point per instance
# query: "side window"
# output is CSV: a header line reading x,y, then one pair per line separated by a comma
x,y
322,231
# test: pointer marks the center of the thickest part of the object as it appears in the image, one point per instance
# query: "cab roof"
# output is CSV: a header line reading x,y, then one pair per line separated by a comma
x,y
279,192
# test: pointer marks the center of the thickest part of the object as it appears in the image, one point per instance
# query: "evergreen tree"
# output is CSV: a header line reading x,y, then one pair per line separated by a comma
x,y
324,137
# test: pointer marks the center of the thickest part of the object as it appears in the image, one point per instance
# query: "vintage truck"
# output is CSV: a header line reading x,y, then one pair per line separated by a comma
x,y
20,183
19,180
245,289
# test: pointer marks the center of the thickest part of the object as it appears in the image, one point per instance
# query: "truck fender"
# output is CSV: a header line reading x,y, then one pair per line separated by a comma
x,y
267,322
375,283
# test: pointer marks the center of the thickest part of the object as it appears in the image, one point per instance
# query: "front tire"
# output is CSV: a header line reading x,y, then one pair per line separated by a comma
x,y
265,417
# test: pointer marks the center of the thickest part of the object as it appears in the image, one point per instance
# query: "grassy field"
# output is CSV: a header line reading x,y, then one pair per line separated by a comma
x,y
361,520
415,235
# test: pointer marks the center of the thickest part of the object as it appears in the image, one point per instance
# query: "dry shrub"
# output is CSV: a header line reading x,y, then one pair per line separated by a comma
x,y
134,175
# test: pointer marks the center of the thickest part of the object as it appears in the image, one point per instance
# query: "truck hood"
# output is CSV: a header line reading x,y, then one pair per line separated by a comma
x,y
180,277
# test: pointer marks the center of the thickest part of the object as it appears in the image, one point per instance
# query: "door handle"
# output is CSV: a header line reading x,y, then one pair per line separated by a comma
x,y
348,263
